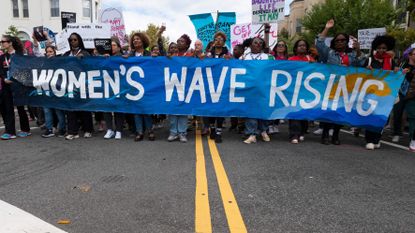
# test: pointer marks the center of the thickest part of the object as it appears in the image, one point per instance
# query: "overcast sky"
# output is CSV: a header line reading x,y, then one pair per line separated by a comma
x,y
139,13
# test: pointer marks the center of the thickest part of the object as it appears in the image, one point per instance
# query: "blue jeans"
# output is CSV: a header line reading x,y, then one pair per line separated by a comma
x,y
142,123
255,126
49,118
178,125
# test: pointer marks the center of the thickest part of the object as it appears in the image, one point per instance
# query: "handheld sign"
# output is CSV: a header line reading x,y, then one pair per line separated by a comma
x,y
103,46
366,36
267,11
67,17
38,32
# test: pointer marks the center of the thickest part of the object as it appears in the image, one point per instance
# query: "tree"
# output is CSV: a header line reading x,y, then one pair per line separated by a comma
x,y
12,30
403,38
350,16
152,34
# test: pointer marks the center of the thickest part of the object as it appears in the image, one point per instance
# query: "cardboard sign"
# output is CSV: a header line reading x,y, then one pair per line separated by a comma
x,y
241,32
61,41
67,17
114,18
38,33
89,32
267,11
366,36
103,46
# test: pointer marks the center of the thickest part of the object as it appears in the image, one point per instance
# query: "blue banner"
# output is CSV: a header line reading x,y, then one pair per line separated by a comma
x,y
224,22
209,87
205,27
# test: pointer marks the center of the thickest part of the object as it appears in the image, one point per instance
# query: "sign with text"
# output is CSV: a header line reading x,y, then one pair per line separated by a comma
x,y
366,36
114,18
103,46
267,11
67,17
266,89
241,32
89,32
205,27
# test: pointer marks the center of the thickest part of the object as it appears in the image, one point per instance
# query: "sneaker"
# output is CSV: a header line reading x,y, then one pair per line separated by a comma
x,y
412,145
172,137
301,138
276,129
23,134
7,136
265,137
182,138
139,137
87,135
271,129
294,141
118,135
370,146
282,122
48,134
250,140
109,134
319,131
71,136
61,133
377,146
395,138
331,132
218,138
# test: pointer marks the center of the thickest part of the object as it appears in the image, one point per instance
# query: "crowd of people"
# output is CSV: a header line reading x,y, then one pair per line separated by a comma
x,y
68,124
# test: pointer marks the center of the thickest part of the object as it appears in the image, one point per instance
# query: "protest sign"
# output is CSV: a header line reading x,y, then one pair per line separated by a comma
x,y
258,89
366,36
223,24
103,46
89,32
67,17
114,18
241,32
38,33
205,27
264,11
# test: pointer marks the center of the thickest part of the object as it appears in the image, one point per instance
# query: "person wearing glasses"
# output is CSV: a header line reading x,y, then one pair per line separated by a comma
x,y
12,45
253,127
338,53
77,49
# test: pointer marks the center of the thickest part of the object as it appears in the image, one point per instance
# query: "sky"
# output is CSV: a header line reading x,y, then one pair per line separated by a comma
x,y
139,13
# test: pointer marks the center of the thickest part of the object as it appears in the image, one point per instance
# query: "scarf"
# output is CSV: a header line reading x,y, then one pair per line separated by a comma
x,y
387,60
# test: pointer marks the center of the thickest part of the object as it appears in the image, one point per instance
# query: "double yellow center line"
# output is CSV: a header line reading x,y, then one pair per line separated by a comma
x,y
202,210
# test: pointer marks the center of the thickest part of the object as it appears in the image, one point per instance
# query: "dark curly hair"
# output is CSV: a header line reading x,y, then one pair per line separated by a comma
x,y
221,34
143,37
16,43
389,41
187,40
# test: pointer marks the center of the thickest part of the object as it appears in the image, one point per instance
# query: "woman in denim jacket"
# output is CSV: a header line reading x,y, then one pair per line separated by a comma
x,y
338,53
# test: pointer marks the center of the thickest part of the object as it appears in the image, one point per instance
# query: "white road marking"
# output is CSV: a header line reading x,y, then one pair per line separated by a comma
x,y
382,142
15,220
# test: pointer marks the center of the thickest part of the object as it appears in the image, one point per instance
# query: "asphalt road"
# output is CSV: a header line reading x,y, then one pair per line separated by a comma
x,y
126,186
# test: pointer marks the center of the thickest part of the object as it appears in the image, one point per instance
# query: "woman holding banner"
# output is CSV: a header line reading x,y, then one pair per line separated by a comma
x,y
339,53
13,46
139,42
77,49
297,128
255,126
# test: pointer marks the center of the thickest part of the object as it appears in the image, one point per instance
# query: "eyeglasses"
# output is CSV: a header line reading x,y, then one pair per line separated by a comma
x,y
258,42
219,39
5,41
280,45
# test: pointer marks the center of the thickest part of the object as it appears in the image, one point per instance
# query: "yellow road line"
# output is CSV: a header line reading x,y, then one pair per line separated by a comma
x,y
202,209
233,215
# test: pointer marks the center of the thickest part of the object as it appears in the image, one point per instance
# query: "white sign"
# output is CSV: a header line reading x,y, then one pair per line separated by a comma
x,y
89,32
366,36
61,41
114,18
241,32
269,11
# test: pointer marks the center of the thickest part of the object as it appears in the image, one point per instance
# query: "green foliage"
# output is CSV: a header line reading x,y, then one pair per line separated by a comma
x,y
151,31
12,30
349,16
403,38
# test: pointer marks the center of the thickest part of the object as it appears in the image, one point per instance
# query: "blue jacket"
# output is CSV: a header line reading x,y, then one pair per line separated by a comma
x,y
329,56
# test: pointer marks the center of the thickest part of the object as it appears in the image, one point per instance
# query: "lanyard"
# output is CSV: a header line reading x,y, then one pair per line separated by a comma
x,y
255,58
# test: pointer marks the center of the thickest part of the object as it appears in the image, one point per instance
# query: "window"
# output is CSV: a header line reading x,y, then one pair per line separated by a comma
x,y
298,26
96,10
54,8
86,8
25,9
15,5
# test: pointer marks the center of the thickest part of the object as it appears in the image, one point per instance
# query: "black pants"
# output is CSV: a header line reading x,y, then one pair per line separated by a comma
x,y
297,128
23,119
372,137
119,121
216,120
327,127
74,118
398,109
7,111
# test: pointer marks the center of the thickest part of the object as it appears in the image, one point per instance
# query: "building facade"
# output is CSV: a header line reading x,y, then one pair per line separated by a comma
x,y
26,14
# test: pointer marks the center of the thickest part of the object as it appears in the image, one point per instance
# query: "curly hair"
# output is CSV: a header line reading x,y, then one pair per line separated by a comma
x,y
187,40
16,44
389,41
221,34
143,37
